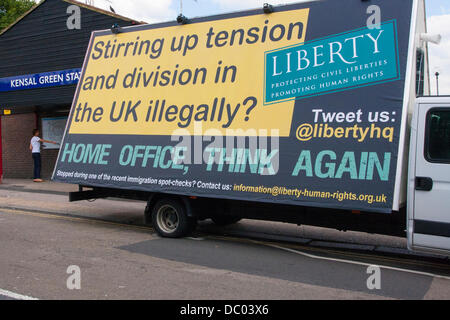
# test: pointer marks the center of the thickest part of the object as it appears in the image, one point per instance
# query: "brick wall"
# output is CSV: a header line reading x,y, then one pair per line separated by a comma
x,y
17,160
16,135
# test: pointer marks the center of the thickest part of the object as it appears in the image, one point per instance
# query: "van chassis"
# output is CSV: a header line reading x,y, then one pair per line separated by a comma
x,y
175,215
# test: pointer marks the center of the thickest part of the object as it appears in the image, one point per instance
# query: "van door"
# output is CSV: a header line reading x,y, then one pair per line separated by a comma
x,y
430,219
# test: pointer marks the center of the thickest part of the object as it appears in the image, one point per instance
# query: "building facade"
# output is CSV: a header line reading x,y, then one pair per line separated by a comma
x,y
41,57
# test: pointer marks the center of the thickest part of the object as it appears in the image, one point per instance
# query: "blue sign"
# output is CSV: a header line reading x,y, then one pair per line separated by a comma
x,y
40,80
353,59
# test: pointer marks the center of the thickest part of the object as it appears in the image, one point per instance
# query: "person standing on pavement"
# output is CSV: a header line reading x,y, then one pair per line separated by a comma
x,y
35,147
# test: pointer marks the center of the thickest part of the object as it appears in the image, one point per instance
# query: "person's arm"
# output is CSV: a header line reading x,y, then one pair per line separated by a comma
x,y
48,141
31,147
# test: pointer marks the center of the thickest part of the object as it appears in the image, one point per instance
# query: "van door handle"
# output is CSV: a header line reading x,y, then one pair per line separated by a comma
x,y
424,183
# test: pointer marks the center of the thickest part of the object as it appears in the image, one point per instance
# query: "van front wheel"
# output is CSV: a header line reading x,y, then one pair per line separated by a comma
x,y
170,219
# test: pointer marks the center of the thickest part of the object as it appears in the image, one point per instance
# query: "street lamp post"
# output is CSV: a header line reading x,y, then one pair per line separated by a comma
x,y
437,82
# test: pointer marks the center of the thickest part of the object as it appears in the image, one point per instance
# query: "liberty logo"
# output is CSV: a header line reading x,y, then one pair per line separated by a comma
x,y
341,62
316,56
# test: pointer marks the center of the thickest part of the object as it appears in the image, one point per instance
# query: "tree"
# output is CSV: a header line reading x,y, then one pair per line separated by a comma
x,y
10,10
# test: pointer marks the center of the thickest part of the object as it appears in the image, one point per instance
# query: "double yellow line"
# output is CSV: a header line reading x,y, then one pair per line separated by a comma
x,y
74,219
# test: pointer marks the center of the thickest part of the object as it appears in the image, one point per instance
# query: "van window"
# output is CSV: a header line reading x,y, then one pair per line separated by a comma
x,y
437,146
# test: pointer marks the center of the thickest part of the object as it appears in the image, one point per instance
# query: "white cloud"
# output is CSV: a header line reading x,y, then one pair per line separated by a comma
x,y
142,10
233,5
439,55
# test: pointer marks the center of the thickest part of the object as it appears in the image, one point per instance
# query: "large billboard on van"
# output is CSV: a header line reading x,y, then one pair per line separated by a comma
x,y
303,106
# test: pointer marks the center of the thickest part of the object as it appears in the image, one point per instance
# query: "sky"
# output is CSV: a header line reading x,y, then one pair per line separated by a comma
x,y
438,21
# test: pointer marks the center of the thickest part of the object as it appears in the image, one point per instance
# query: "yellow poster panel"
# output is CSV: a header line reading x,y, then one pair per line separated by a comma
x,y
208,75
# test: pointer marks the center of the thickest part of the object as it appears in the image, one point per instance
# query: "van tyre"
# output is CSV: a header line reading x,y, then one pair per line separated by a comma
x,y
170,219
225,220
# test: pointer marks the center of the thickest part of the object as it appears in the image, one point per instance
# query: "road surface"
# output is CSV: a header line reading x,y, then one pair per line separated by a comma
x,y
120,259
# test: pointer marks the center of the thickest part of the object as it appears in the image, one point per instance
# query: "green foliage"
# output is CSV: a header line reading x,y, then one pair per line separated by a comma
x,y
10,10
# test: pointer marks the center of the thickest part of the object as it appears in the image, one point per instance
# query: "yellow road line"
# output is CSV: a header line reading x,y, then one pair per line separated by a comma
x,y
75,219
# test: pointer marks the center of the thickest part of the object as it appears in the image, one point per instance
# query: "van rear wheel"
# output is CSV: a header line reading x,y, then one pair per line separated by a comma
x,y
169,218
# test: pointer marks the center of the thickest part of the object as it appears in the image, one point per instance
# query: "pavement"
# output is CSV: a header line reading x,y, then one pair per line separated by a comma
x,y
52,197
29,185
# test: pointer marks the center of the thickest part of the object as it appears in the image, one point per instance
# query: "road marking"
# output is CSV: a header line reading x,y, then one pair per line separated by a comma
x,y
71,218
357,262
328,251
13,295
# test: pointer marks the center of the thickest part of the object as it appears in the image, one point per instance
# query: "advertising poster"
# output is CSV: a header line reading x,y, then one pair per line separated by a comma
x,y
300,106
